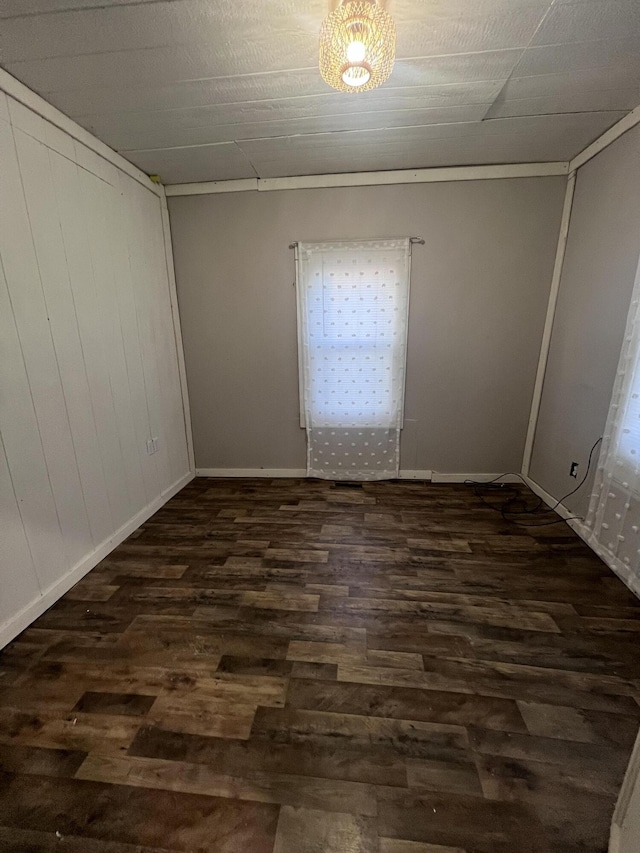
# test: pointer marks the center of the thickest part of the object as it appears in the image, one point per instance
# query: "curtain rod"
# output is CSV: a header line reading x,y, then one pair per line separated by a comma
x,y
419,240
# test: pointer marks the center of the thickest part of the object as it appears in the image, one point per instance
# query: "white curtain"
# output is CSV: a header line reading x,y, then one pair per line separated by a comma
x,y
353,301
613,520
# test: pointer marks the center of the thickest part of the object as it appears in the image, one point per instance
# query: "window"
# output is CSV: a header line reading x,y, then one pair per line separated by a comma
x,y
352,314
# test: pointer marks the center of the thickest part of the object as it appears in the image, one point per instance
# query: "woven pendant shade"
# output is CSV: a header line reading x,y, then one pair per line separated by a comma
x,y
357,46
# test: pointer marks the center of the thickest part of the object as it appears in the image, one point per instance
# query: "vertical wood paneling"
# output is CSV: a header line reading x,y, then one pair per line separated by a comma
x,y
88,360
151,297
19,581
124,291
35,168
33,418
166,354
21,437
24,119
4,107
90,318
140,244
78,264
103,247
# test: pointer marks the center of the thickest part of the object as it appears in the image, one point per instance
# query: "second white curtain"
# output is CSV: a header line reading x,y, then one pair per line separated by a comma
x,y
613,521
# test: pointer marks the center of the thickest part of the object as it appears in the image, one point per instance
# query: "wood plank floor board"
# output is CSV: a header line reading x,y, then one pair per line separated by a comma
x,y
322,757
33,841
297,666
159,818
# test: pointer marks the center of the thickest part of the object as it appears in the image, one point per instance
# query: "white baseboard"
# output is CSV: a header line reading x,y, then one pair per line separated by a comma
x,y
614,839
14,626
269,473
561,509
273,473
550,501
443,477
429,476
627,806
366,179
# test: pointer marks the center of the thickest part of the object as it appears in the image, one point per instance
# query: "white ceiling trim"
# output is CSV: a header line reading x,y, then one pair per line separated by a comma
x,y
414,176
609,136
21,93
367,179
212,187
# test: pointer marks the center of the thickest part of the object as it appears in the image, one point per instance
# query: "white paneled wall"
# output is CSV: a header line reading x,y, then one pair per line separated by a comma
x,y
90,362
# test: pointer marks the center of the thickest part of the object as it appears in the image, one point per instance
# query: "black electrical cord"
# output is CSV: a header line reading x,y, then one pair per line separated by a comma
x,y
515,504
582,481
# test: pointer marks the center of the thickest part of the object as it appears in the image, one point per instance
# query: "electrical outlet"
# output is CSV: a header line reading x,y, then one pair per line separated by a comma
x,y
573,470
156,444
150,447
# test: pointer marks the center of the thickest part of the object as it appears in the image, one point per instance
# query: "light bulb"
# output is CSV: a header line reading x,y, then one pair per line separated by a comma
x,y
356,76
356,51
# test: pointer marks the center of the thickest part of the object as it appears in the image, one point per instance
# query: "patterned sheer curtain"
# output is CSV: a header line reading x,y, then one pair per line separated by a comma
x,y
613,520
353,300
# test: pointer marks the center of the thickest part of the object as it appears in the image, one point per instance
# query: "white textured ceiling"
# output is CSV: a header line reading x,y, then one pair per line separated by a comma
x,y
202,90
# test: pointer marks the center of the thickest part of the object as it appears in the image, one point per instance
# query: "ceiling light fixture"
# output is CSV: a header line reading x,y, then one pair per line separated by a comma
x,y
357,46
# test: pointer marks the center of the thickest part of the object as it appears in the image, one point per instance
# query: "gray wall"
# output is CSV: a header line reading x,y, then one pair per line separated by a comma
x,y
478,298
595,292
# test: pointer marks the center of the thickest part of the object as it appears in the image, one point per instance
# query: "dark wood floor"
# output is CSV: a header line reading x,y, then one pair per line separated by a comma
x,y
299,667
